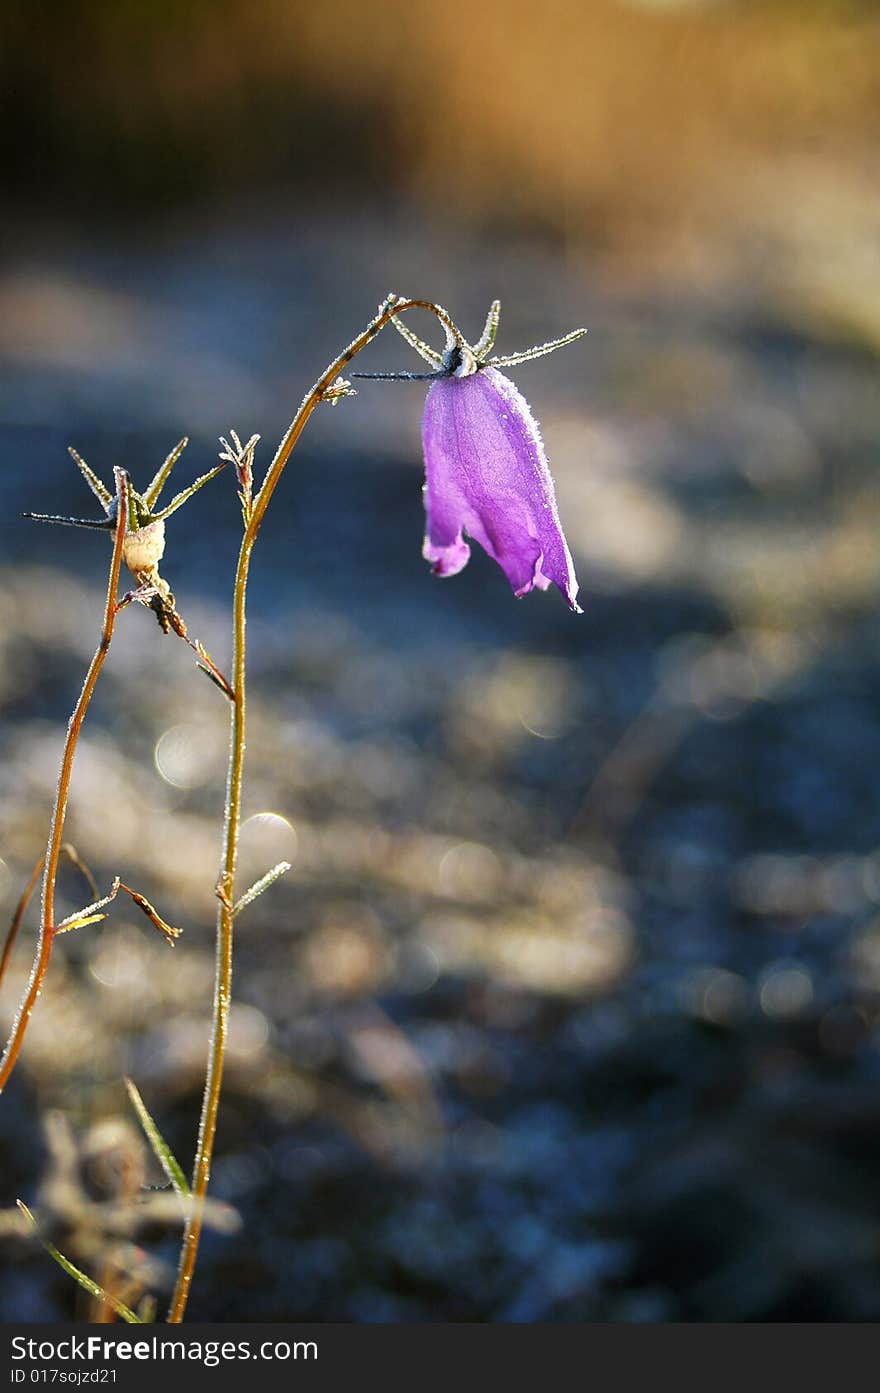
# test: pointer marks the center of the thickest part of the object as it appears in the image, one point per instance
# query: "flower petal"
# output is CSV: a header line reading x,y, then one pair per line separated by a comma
x,y
449,559
486,474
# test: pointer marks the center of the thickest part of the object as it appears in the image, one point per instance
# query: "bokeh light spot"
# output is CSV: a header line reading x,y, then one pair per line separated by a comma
x,y
186,755
266,838
785,990
469,871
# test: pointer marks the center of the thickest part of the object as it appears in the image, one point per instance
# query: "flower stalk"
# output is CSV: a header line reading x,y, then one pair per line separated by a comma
x,y
59,811
327,388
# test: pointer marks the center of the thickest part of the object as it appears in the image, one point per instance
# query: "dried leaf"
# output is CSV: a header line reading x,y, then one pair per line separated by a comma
x,y
168,931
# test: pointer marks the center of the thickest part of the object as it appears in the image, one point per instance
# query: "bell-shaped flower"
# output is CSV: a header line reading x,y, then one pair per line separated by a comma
x,y
486,471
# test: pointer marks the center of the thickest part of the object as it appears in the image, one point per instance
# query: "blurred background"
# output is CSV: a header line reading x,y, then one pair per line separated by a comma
x,y
568,1009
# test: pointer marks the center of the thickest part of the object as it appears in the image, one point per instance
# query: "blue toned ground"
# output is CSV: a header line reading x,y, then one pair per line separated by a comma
x,y
568,1008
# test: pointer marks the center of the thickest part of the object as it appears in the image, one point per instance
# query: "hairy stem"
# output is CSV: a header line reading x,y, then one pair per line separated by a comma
x,y
20,911
68,850
232,822
59,811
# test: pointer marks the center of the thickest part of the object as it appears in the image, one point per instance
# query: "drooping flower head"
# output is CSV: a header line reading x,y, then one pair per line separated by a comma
x,y
486,472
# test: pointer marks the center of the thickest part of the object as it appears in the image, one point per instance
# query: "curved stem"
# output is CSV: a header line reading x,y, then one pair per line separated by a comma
x,y
226,882
20,910
59,810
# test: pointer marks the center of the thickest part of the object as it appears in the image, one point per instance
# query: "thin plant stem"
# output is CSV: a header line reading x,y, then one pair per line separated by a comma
x,y
59,810
226,883
20,910
70,852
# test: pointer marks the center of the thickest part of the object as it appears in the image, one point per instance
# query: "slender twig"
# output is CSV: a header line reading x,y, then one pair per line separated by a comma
x,y
56,826
74,858
226,883
20,910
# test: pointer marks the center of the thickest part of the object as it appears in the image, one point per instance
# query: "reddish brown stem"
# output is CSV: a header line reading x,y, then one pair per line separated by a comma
x,y
70,852
17,917
59,811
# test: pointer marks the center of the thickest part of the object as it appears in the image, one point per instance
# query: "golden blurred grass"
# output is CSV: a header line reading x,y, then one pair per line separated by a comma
x,y
566,114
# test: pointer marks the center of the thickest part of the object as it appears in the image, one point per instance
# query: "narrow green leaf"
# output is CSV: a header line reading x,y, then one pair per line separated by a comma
x,y
151,495
424,350
539,351
180,498
164,1154
101,492
85,1282
486,341
260,885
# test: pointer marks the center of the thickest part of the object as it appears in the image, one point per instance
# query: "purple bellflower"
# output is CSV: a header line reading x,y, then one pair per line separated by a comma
x,y
486,472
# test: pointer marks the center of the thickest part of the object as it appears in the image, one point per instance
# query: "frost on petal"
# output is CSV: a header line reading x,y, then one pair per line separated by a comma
x,y
486,474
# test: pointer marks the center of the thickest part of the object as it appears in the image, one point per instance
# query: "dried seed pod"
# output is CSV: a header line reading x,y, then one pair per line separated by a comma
x,y
144,548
